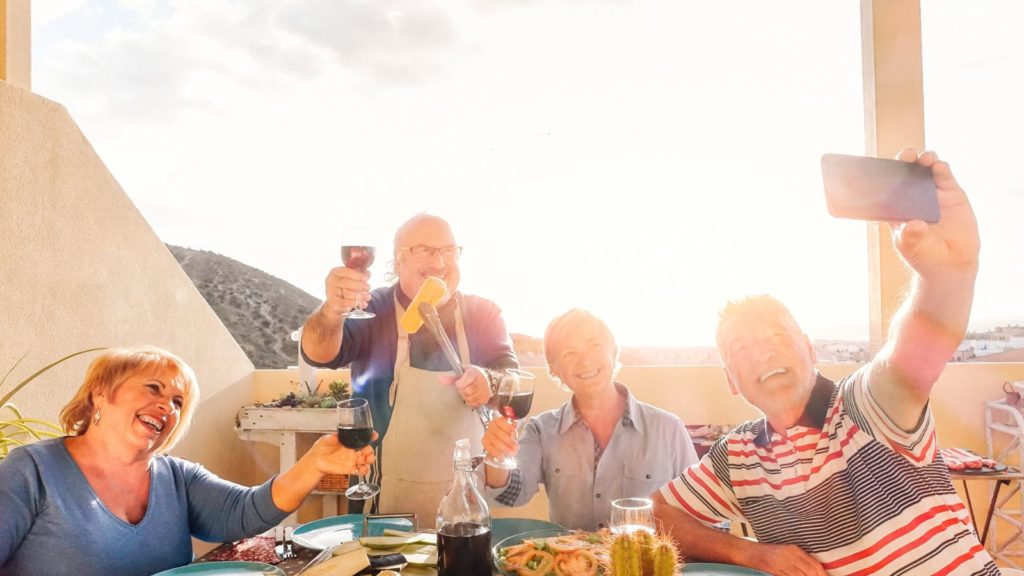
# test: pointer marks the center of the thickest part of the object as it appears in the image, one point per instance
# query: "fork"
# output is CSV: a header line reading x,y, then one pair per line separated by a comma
x,y
283,538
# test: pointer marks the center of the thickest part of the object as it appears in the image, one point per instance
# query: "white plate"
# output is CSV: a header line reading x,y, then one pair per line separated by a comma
x,y
320,534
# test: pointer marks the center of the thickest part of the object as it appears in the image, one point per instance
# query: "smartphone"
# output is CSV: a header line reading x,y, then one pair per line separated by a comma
x,y
864,188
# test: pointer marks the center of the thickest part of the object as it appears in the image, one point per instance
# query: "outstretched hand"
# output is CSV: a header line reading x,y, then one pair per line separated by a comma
x,y
330,457
952,244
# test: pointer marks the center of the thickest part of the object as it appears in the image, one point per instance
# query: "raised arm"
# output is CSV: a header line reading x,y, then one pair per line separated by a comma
x,y
322,333
933,319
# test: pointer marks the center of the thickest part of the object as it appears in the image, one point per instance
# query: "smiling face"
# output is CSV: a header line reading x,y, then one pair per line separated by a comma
x,y
581,352
768,360
144,411
412,269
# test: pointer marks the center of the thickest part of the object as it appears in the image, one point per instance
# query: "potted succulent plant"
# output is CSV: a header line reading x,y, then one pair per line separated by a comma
x,y
15,428
310,409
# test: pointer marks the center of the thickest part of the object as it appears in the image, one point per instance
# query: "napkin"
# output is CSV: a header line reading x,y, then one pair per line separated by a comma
x,y
960,459
349,562
255,549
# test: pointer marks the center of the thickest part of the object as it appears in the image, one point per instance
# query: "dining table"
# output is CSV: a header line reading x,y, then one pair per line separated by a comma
x,y
501,528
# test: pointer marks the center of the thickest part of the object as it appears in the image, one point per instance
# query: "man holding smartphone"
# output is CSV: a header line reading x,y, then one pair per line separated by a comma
x,y
842,479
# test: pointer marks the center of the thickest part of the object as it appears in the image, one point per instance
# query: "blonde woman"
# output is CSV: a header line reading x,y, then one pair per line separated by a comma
x,y
107,499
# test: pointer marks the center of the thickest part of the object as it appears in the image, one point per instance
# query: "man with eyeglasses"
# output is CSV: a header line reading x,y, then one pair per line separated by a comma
x,y
419,409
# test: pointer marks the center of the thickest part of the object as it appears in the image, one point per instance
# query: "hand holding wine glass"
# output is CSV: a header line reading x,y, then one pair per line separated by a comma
x,y
355,431
515,398
357,253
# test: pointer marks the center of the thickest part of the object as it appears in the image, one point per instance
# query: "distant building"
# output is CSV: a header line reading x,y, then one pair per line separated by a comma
x,y
841,351
529,350
988,347
964,353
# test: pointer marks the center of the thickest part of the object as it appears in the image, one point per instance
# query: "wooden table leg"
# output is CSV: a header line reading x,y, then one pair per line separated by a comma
x,y
970,508
991,509
286,447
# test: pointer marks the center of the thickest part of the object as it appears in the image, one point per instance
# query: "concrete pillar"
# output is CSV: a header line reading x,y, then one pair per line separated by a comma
x,y
894,119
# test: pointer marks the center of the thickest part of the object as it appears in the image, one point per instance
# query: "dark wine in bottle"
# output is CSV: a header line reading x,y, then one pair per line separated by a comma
x,y
464,549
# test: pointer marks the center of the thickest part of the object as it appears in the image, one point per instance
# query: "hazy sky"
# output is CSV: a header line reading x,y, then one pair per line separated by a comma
x,y
644,159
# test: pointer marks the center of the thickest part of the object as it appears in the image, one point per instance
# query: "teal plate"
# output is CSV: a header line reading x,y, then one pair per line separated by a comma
x,y
701,569
502,528
225,569
332,531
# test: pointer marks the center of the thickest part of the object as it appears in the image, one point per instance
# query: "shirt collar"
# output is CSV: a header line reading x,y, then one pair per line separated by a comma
x,y
815,411
631,415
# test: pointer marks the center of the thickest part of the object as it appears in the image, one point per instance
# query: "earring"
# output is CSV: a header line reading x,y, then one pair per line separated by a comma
x,y
96,417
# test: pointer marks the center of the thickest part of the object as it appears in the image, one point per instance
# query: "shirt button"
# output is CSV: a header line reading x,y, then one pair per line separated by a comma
x,y
599,495
648,476
558,470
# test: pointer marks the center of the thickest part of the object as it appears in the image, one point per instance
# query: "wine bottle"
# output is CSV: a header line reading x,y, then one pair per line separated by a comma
x,y
463,522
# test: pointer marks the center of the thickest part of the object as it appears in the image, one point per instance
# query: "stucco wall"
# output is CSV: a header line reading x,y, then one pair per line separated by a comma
x,y
80,268
699,395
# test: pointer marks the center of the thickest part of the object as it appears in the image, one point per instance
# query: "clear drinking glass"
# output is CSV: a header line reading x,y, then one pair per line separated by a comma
x,y
515,398
632,515
355,429
357,252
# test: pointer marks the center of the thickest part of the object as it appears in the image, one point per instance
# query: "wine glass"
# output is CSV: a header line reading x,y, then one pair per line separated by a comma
x,y
357,252
631,515
355,429
515,397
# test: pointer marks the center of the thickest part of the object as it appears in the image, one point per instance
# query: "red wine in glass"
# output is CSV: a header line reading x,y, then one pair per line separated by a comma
x,y
515,406
357,252
354,437
355,429
515,397
358,257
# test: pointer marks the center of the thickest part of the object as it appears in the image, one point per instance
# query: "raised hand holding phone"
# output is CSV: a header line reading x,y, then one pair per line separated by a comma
x,y
864,188
949,246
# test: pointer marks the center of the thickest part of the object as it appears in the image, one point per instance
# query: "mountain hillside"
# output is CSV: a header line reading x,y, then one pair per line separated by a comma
x,y
259,310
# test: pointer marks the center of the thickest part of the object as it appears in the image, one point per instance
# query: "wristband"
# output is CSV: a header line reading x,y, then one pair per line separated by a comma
x,y
492,381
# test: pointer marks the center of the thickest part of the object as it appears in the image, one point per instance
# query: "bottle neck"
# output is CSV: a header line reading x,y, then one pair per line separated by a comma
x,y
463,472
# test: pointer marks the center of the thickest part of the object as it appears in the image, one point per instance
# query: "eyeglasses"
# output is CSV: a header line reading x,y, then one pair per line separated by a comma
x,y
422,251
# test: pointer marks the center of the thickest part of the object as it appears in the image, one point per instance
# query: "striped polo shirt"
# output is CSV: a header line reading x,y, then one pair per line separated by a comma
x,y
856,492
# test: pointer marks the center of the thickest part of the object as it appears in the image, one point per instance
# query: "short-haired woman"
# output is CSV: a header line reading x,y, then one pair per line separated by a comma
x,y
107,499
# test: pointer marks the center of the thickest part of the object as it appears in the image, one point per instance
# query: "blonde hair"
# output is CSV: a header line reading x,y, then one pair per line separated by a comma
x,y
115,366
566,323
747,306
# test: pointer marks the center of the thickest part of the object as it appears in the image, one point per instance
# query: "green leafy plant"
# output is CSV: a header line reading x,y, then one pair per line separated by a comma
x,y
339,389
20,430
312,397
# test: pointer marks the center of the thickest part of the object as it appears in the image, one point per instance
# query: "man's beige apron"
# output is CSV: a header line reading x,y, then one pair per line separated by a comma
x,y
426,420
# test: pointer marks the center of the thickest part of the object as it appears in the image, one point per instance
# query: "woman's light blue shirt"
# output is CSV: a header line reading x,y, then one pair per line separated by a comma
x,y
52,523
